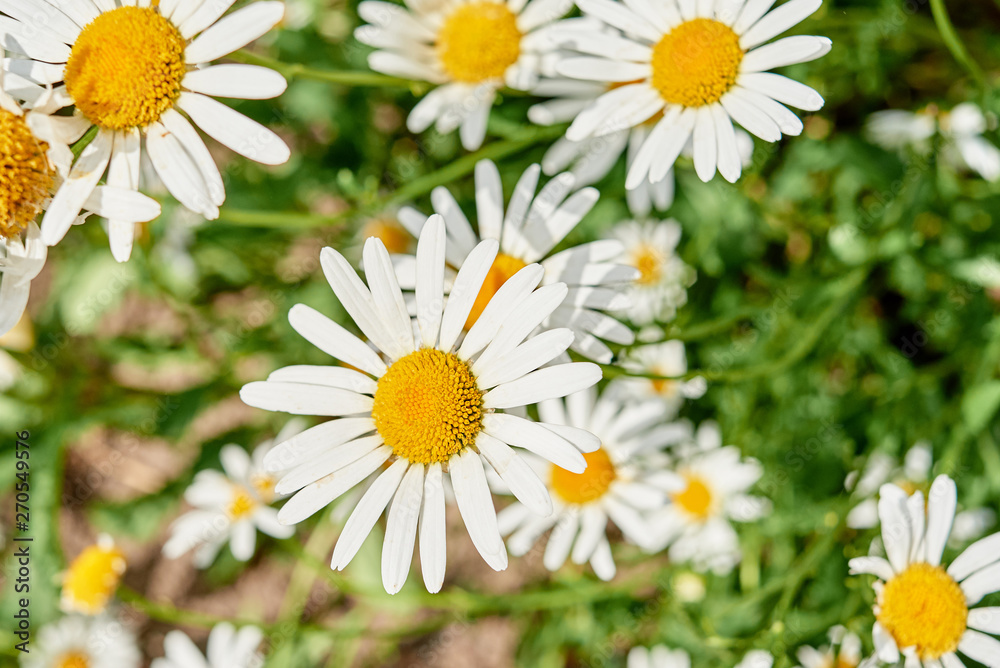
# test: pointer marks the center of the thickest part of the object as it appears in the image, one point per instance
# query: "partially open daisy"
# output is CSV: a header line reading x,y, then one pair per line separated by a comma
x,y
925,612
701,65
658,656
92,577
227,648
696,524
844,651
432,403
468,48
624,482
130,68
83,642
661,288
661,359
230,506
527,232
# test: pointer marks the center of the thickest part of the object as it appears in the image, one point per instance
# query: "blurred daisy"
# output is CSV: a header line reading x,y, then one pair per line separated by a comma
x,y
896,129
621,483
658,656
661,359
913,475
664,278
227,648
844,651
756,658
230,506
468,48
83,642
924,612
527,233
432,403
701,65
130,71
696,525
387,229
92,578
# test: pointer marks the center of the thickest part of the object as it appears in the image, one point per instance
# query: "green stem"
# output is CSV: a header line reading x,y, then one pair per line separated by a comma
x,y
292,71
954,43
84,141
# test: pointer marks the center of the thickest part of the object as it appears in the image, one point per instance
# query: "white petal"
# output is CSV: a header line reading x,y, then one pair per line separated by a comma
x,y
328,376
985,619
301,399
83,178
941,502
515,471
234,31
430,280
527,357
620,17
366,514
557,381
787,51
980,554
778,21
326,463
178,171
234,130
532,436
896,532
561,540
465,290
876,566
981,583
750,117
244,82
980,647
387,295
593,524
433,550
706,151
334,340
510,295
302,447
783,90
476,506
401,530
202,17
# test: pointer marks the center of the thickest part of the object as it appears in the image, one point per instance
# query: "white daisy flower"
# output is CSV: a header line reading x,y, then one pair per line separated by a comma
x,y
696,525
432,403
527,232
965,145
227,648
231,506
658,656
92,578
913,475
468,48
624,481
701,64
130,67
844,651
83,642
756,658
660,359
896,129
925,611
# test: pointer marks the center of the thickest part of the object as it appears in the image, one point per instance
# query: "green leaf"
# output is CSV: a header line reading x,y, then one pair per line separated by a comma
x,y
980,404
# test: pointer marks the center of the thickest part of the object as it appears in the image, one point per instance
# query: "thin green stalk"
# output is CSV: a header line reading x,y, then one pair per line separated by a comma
x,y
292,71
954,42
84,141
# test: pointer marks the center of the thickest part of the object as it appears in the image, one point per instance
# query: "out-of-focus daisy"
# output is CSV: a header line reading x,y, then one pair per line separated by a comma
x,y
844,651
387,228
925,612
21,260
527,232
897,129
696,525
658,656
92,578
227,648
230,506
83,642
131,70
622,481
651,247
699,65
432,403
661,359
913,475
468,48
756,658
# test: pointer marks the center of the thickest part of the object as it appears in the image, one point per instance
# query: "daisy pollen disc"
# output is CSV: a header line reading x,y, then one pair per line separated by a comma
x,y
503,268
923,607
649,261
696,63
126,68
92,578
73,660
241,505
428,406
26,177
479,41
592,484
696,499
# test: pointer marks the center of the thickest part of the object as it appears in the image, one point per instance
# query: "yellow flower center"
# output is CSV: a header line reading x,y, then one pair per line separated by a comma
x,y
696,499
923,607
588,486
126,68
393,235
26,177
479,41
665,388
696,63
649,261
241,505
73,660
503,268
428,406
92,578
263,484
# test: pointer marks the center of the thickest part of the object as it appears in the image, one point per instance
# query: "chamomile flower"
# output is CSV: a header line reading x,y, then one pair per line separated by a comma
x,y
527,232
898,129
658,656
93,577
227,648
624,481
424,403
697,524
230,506
756,658
925,611
130,68
83,642
661,288
701,65
468,49
844,651
661,359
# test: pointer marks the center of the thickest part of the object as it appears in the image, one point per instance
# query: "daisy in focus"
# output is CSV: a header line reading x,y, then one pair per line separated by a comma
x,y
624,482
230,506
697,524
664,278
925,612
844,651
227,648
661,359
83,642
130,71
699,65
658,656
468,49
93,577
527,232
425,405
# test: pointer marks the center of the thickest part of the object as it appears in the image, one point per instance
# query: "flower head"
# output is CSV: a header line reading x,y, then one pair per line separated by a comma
x,y
93,577
228,647
83,642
